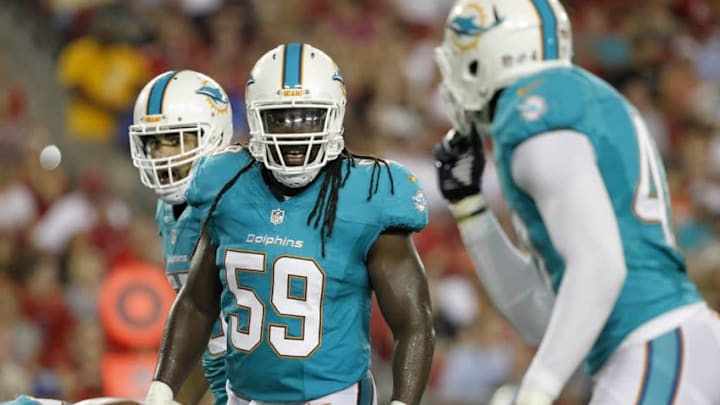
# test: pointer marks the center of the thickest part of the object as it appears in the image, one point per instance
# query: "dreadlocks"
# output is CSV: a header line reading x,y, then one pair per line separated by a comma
x,y
326,203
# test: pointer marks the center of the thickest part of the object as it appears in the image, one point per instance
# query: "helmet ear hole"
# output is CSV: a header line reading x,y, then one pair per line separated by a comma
x,y
473,68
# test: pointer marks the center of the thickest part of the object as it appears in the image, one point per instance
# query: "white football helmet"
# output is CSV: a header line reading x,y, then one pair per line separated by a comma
x,y
295,101
489,44
184,110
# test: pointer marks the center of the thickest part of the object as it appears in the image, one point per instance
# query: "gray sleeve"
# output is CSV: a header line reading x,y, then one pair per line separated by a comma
x,y
517,288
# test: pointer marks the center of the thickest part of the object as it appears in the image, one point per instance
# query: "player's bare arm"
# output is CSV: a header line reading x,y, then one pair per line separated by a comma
x,y
195,386
398,278
191,319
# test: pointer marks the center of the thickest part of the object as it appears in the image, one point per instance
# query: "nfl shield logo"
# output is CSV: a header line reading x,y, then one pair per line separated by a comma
x,y
277,216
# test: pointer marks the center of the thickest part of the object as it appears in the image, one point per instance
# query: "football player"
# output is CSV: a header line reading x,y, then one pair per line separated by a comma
x,y
589,200
298,233
180,117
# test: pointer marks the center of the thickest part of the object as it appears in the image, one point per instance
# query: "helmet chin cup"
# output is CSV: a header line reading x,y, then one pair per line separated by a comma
x,y
175,195
296,180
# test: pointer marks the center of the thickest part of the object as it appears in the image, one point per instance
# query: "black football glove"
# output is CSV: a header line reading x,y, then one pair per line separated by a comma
x,y
459,161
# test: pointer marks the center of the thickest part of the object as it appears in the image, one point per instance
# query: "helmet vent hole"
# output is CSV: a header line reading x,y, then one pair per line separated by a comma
x,y
473,68
312,55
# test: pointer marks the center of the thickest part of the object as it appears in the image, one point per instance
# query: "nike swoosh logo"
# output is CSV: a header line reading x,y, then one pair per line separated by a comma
x,y
523,91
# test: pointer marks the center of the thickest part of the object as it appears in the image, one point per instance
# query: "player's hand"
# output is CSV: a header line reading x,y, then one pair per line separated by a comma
x,y
459,161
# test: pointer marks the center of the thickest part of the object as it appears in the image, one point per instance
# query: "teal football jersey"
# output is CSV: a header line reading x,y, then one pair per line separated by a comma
x,y
179,238
570,98
298,320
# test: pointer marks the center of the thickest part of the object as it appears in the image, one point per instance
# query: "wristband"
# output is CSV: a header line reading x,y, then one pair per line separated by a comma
x,y
159,393
468,207
531,396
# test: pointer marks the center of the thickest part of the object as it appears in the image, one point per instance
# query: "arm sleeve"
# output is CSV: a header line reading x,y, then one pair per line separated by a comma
x,y
577,211
515,285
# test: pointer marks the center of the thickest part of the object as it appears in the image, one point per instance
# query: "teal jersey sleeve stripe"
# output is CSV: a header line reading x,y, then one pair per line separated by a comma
x,y
663,367
292,69
157,94
548,24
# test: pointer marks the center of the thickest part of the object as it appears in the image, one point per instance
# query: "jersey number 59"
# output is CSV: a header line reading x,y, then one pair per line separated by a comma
x,y
306,306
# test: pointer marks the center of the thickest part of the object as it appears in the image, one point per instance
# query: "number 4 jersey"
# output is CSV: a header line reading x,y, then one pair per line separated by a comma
x,y
572,99
297,319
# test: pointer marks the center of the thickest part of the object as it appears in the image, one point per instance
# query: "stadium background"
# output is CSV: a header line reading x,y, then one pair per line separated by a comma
x,y
69,72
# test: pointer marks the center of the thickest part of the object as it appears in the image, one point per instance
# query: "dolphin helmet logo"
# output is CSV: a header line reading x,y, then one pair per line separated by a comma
x,y
469,27
338,77
214,96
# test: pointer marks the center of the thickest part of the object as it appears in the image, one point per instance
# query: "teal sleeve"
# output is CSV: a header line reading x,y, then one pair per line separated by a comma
x,y
405,208
545,102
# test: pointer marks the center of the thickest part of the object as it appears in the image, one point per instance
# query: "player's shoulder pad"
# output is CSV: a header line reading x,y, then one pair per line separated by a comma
x,y
546,101
398,196
211,173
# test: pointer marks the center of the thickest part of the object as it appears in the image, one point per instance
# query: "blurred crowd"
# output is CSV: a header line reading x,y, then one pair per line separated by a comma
x,y
64,232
